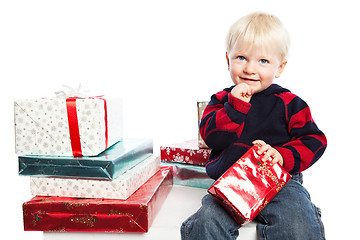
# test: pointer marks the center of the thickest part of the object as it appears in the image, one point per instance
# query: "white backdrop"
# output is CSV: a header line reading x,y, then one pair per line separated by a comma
x,y
163,56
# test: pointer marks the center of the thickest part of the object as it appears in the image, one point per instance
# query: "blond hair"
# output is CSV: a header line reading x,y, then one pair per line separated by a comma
x,y
260,30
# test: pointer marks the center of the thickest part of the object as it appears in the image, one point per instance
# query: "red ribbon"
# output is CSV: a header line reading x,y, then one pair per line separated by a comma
x,y
74,125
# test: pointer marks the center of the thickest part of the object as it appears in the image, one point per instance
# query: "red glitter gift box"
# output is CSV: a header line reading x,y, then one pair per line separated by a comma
x,y
135,214
249,185
185,152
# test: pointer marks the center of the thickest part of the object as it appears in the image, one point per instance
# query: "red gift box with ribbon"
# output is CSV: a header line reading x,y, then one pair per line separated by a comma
x,y
134,214
249,185
185,152
69,126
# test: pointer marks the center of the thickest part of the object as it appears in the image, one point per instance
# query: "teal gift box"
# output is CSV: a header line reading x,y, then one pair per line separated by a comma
x,y
189,175
108,165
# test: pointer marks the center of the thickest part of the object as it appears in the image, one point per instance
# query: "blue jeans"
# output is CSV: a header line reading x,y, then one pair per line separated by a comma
x,y
290,215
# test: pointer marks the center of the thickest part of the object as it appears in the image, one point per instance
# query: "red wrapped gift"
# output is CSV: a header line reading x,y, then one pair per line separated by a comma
x,y
249,185
185,152
100,215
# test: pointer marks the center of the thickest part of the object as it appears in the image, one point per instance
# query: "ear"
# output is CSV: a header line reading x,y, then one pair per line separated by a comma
x,y
228,62
281,68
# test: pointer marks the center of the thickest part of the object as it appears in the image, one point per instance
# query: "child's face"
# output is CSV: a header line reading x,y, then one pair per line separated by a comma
x,y
254,66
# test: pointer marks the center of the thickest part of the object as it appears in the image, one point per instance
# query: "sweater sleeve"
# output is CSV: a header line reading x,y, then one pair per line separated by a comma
x,y
307,142
223,120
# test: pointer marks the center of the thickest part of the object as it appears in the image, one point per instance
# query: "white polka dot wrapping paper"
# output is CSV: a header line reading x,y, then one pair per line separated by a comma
x,y
42,126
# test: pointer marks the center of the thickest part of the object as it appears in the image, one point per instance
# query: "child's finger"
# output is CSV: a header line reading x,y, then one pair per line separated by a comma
x,y
250,91
259,142
264,148
277,159
269,153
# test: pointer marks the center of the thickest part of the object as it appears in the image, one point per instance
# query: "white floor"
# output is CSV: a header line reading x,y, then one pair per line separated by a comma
x,y
180,203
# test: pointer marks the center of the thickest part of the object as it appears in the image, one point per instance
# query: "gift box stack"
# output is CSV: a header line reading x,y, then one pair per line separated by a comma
x,y
85,175
188,158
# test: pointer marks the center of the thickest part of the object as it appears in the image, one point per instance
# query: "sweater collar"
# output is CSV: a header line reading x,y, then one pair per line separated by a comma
x,y
273,89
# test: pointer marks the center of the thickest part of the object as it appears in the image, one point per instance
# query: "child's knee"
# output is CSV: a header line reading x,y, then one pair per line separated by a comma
x,y
196,226
291,214
210,220
206,215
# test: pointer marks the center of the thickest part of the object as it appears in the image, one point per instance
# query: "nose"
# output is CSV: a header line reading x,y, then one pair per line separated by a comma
x,y
249,68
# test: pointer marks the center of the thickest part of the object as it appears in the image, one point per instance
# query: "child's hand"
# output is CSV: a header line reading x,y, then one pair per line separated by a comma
x,y
269,152
243,92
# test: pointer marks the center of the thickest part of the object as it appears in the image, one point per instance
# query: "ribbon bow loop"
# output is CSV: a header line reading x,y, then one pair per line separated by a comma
x,y
69,92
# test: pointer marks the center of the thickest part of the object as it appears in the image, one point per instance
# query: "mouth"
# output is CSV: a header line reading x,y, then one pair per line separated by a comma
x,y
249,79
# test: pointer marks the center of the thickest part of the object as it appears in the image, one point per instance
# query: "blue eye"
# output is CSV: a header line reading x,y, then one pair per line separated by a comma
x,y
241,58
263,61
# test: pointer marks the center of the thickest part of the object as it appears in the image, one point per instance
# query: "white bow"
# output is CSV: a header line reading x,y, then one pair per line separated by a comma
x,y
68,91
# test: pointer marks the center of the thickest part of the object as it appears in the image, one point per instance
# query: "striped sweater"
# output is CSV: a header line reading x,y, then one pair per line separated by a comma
x,y
275,115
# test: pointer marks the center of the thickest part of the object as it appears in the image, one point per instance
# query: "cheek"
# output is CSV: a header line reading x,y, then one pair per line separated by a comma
x,y
234,74
268,75
235,69
233,78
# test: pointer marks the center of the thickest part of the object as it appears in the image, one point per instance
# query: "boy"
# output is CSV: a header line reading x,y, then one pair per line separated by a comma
x,y
252,111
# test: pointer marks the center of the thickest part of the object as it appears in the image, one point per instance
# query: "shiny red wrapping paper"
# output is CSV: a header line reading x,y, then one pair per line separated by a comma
x,y
100,215
249,185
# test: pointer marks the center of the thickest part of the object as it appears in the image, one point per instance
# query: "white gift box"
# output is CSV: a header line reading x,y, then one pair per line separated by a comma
x,y
119,188
42,126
